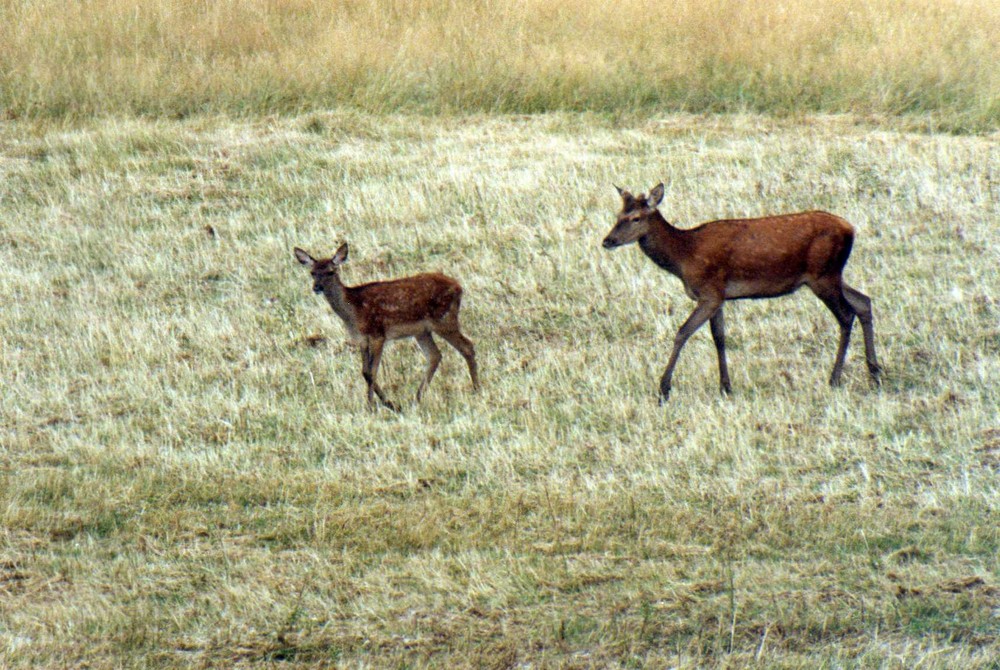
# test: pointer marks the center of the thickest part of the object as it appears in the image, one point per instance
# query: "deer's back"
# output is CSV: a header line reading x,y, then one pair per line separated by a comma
x,y
774,246
765,257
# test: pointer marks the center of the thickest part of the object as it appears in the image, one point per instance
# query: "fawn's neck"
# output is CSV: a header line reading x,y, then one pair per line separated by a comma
x,y
336,294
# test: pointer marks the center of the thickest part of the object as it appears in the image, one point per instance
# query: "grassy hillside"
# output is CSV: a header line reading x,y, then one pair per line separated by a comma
x,y
932,59
189,476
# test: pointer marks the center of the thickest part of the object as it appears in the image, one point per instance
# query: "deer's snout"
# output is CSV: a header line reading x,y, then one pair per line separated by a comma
x,y
317,288
609,243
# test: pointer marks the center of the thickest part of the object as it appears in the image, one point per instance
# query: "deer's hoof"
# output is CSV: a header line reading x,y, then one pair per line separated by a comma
x,y
875,371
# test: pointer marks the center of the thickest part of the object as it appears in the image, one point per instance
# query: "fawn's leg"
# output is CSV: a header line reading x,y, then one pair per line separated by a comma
x,y
373,358
466,348
433,355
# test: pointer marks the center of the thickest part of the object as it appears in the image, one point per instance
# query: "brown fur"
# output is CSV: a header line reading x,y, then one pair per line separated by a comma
x,y
748,258
381,311
382,304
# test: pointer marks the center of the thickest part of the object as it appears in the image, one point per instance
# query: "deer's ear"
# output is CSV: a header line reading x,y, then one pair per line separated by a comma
x,y
341,254
626,196
302,257
655,195
628,200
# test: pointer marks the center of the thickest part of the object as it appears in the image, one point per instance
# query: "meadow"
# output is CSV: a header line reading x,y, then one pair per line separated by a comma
x,y
190,477
933,61
189,473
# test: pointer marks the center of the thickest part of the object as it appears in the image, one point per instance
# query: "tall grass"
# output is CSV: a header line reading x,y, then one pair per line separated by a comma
x,y
931,57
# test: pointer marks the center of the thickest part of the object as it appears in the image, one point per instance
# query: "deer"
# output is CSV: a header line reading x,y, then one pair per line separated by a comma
x,y
736,259
375,313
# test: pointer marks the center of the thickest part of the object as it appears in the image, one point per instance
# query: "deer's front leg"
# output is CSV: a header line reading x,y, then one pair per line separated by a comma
x,y
702,313
718,326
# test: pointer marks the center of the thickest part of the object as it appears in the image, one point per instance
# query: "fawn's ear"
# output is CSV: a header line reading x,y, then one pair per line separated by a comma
x,y
341,254
304,258
655,195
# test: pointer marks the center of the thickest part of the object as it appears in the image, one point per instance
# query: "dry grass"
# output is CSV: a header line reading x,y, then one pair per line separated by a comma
x,y
189,476
927,58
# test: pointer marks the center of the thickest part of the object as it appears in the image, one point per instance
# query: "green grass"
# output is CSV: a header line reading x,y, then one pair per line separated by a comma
x,y
190,478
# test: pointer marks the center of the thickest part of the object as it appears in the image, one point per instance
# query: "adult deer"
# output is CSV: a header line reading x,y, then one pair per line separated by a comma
x,y
380,311
748,258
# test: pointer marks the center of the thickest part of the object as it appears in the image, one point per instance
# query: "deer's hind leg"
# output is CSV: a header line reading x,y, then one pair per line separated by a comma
x,y
831,293
862,305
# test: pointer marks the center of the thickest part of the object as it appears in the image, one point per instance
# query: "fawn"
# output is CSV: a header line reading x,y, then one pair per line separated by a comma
x,y
380,311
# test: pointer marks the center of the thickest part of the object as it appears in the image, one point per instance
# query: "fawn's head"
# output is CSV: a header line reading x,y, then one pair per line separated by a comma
x,y
325,272
633,220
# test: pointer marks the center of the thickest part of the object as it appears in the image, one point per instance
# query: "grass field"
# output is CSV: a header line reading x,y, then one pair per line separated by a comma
x,y
930,60
189,476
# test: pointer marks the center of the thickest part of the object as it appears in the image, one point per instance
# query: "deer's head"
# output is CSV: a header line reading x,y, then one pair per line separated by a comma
x,y
325,272
633,220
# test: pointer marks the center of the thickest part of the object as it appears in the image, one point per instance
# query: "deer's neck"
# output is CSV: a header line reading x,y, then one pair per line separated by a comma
x,y
337,295
665,245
